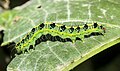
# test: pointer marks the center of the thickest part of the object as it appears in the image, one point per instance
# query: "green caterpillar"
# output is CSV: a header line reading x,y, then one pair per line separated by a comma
x,y
56,29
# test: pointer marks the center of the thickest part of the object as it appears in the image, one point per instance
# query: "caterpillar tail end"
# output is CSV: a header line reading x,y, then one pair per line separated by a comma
x,y
18,51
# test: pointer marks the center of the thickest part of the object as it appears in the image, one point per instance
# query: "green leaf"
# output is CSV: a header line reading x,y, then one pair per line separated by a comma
x,y
6,19
57,56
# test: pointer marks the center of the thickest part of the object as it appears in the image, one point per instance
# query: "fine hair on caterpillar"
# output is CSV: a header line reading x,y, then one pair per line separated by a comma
x,y
57,32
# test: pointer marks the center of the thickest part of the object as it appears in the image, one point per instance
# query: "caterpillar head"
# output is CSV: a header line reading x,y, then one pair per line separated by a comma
x,y
95,25
103,28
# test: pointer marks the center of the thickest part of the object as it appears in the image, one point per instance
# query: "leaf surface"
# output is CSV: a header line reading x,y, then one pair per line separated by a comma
x,y
57,56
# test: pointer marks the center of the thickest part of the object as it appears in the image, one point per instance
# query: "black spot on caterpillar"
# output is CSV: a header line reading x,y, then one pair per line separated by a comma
x,y
78,29
85,27
33,30
71,29
57,32
41,26
52,25
95,25
39,6
62,28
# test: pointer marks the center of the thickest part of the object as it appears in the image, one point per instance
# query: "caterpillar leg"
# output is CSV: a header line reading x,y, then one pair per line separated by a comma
x,y
82,38
73,40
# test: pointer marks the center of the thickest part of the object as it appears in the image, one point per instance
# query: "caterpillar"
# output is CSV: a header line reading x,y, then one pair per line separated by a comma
x,y
54,31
